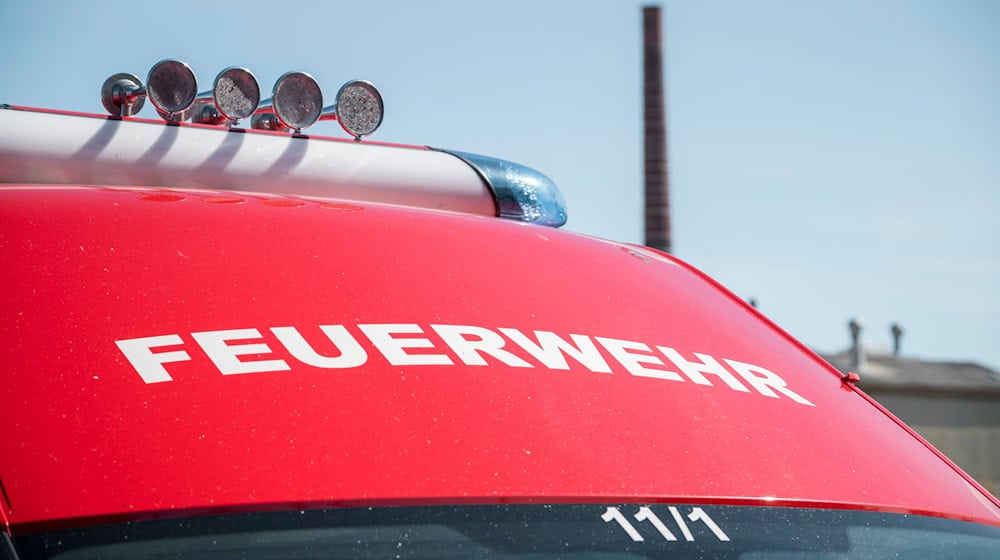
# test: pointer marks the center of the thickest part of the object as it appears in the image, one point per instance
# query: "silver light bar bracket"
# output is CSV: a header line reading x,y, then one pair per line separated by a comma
x,y
521,193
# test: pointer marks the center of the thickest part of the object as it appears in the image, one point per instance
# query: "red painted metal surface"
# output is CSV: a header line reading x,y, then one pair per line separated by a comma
x,y
85,436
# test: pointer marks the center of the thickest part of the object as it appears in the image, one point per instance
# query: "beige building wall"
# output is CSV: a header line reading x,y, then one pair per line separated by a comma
x,y
965,427
975,449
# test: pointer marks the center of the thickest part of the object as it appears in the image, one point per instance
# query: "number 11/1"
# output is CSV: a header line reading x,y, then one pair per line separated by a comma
x,y
645,514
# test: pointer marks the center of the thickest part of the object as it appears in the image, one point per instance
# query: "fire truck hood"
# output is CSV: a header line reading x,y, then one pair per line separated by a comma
x,y
172,350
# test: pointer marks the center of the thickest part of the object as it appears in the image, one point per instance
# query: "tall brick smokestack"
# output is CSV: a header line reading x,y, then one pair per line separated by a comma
x,y
655,138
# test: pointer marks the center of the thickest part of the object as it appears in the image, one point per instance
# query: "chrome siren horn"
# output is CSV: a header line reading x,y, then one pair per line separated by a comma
x,y
123,95
358,108
234,96
296,103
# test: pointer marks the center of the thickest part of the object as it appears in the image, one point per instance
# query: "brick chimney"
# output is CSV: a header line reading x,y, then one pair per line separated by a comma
x,y
655,136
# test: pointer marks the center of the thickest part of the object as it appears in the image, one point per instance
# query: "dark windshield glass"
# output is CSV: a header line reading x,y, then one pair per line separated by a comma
x,y
529,531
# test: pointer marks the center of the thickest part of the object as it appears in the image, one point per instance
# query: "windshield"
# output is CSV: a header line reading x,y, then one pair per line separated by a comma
x,y
528,531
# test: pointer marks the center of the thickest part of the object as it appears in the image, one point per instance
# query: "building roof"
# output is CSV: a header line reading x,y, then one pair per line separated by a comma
x,y
880,369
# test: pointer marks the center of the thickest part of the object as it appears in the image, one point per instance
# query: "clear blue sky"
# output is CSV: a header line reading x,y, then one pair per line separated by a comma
x,y
831,159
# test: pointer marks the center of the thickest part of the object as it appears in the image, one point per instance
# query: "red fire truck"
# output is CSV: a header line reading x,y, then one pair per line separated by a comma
x,y
226,342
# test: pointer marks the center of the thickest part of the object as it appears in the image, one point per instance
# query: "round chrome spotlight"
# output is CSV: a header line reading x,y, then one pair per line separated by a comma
x,y
171,87
236,93
234,96
297,100
359,108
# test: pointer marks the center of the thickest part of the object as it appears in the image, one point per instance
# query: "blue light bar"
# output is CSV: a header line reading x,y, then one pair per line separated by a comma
x,y
521,193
